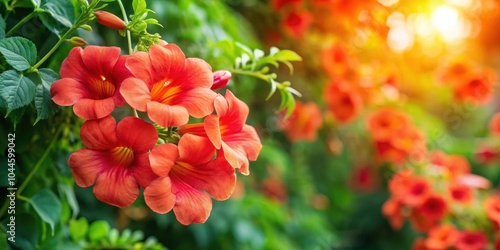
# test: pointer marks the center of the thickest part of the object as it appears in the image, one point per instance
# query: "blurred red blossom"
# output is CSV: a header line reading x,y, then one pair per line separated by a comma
x,y
303,123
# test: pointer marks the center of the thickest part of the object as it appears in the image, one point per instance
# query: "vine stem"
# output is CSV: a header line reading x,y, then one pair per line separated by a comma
x,y
125,19
20,23
39,163
30,175
61,41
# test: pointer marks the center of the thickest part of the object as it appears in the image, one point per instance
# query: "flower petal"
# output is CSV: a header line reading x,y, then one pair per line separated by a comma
x,y
198,101
89,109
191,205
85,165
212,128
166,115
235,158
100,60
120,73
216,177
195,149
136,134
73,66
99,134
116,187
139,64
136,93
232,111
142,170
197,73
159,197
167,62
67,91
162,158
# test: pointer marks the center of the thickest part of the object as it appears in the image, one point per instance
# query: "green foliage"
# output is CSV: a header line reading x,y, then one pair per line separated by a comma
x,y
45,107
256,64
18,90
19,52
139,24
57,15
2,27
48,207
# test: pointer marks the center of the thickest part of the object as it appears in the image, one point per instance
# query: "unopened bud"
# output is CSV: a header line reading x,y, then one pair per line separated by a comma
x,y
77,41
110,20
86,27
221,79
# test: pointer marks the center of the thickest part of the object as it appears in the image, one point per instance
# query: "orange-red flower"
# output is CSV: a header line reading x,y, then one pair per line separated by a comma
x,y
492,207
495,125
221,79
454,165
385,123
470,240
303,123
441,237
342,100
416,192
91,80
477,89
279,4
296,23
434,207
487,153
461,193
336,60
392,209
115,158
408,144
168,86
235,140
364,178
186,172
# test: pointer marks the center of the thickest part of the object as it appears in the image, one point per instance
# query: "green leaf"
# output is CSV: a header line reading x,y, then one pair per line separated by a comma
x,y
19,52
78,229
45,107
17,90
139,6
47,206
287,102
69,192
287,55
98,230
27,231
273,89
2,27
16,115
59,15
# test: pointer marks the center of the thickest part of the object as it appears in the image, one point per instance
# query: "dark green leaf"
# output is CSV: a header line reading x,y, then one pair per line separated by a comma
x,y
17,90
98,230
2,27
59,15
19,52
45,107
78,229
139,6
16,115
47,206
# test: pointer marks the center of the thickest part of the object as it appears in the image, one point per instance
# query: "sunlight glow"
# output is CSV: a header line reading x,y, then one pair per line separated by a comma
x,y
447,21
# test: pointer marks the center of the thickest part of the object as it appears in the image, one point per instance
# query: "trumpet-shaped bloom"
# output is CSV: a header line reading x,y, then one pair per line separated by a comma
x,y
471,240
442,237
343,101
168,86
304,122
228,132
115,158
186,172
91,79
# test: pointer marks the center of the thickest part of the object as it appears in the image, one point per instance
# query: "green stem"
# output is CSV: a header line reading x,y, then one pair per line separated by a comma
x,y
61,41
249,73
39,163
125,19
20,23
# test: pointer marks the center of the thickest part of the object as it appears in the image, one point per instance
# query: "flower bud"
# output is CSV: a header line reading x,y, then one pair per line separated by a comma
x,y
110,20
221,79
77,41
86,27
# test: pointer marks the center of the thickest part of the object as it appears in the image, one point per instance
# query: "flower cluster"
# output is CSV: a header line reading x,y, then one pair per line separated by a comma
x,y
179,165
395,138
446,203
470,83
